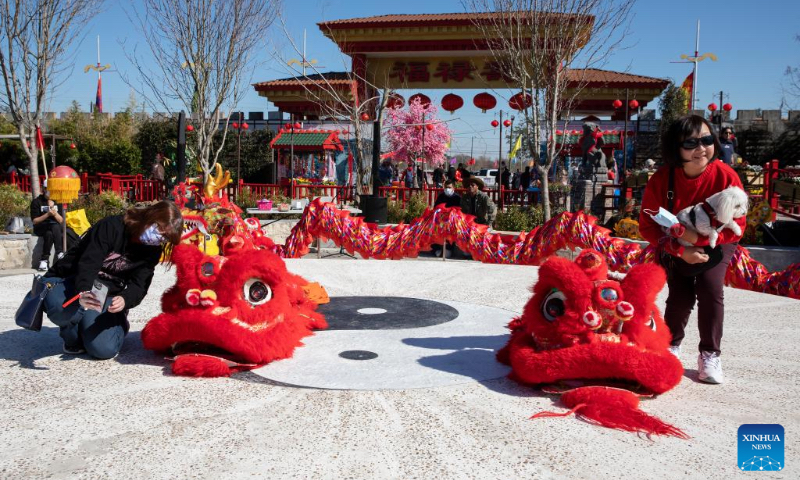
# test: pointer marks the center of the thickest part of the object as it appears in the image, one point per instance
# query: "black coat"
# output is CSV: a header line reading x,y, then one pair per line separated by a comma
x,y
452,201
106,253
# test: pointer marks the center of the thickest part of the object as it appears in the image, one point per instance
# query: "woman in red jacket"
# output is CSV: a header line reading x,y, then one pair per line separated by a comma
x,y
690,149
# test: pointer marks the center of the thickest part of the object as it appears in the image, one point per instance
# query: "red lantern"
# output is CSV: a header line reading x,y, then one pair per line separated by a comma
x,y
364,117
418,127
520,101
506,123
297,126
633,104
727,107
235,124
484,101
495,123
451,102
245,125
617,103
190,128
429,127
72,146
559,132
712,107
424,100
287,126
395,101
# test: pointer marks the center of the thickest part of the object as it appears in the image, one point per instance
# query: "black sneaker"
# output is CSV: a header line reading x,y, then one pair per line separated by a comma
x,y
73,349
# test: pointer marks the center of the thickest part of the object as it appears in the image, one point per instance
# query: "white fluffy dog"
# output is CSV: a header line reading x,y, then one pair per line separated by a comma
x,y
715,214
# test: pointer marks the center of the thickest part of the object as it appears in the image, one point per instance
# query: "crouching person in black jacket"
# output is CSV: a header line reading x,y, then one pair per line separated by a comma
x,y
120,252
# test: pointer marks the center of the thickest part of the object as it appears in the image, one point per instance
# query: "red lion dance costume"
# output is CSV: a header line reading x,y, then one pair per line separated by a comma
x,y
579,325
233,312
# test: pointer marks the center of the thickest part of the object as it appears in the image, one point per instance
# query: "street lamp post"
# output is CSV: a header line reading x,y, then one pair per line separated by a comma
x,y
239,126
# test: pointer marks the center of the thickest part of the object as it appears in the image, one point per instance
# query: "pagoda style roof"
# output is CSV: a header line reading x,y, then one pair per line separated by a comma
x,y
609,78
333,78
451,32
427,19
307,140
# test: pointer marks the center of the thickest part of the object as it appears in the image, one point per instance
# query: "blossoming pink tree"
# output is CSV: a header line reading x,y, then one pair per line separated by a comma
x,y
416,133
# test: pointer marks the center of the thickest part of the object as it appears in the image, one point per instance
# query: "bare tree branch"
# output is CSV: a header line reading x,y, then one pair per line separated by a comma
x,y
202,50
544,48
35,36
337,95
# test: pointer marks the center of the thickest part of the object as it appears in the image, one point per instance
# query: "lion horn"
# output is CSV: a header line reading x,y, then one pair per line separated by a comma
x,y
613,408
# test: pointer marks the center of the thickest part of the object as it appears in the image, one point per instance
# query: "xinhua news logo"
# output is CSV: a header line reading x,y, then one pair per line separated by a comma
x,y
761,447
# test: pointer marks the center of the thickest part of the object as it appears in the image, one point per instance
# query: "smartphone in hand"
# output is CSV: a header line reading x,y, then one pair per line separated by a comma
x,y
100,292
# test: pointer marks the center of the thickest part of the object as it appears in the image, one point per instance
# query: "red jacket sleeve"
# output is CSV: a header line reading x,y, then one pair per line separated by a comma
x,y
655,195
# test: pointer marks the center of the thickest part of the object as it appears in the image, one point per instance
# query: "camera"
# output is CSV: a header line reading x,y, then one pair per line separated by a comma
x,y
45,209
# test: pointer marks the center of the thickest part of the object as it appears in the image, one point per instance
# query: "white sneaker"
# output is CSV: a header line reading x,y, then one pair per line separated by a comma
x,y
709,367
43,266
675,350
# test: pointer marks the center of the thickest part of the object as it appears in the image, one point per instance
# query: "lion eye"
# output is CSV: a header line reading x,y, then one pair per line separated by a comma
x,y
554,305
652,323
257,292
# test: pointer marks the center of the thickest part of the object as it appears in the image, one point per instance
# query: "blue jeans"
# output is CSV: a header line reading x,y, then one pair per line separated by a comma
x,y
100,333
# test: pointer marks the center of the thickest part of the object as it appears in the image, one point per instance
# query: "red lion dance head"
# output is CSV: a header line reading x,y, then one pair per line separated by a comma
x,y
232,313
579,325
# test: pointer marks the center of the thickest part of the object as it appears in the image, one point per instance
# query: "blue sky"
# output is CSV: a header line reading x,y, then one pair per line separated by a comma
x,y
754,41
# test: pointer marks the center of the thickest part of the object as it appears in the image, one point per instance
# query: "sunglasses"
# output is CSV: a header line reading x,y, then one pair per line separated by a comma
x,y
692,143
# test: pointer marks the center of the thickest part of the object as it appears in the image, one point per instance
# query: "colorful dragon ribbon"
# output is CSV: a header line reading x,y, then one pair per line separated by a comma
x,y
567,230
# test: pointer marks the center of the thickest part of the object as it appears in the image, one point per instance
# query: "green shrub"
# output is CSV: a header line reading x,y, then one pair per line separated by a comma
x,y
522,219
395,212
246,198
100,206
13,203
415,207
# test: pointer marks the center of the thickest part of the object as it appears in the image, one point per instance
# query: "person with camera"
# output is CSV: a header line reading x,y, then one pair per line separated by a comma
x,y
116,258
47,218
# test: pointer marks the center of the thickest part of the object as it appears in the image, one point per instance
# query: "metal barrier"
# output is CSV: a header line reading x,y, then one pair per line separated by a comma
x,y
783,197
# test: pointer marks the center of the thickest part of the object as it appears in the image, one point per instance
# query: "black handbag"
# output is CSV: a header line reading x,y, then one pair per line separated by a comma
x,y
29,313
673,264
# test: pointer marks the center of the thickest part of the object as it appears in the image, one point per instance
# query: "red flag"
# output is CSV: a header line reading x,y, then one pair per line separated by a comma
x,y
39,138
688,86
98,101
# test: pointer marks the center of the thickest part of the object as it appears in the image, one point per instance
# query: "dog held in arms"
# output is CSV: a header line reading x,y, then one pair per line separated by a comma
x,y
718,212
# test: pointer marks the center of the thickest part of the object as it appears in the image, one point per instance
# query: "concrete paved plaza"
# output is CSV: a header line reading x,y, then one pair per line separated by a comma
x,y
450,414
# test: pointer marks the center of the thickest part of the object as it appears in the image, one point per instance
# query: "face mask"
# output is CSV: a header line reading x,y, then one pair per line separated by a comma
x,y
449,192
664,217
152,237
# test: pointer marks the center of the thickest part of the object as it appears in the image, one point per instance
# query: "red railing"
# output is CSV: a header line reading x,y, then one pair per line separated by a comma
x,y
23,182
784,203
134,188
502,198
